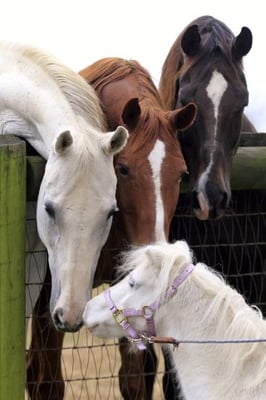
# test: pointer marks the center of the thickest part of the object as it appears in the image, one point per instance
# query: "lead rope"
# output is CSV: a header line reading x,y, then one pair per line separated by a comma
x,y
176,342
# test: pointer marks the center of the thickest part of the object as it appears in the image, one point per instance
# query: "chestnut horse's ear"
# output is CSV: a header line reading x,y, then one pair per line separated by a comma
x,y
190,42
242,43
184,117
131,113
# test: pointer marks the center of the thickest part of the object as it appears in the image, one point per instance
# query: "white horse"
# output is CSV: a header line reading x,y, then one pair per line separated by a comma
x,y
189,302
59,114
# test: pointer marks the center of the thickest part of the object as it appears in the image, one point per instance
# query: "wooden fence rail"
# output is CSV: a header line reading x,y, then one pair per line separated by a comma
x,y
12,272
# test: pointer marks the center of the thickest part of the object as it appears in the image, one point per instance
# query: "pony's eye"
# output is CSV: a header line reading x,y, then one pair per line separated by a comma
x,y
114,210
50,210
131,281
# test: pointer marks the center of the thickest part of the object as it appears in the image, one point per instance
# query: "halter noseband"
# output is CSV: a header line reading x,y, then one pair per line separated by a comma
x,y
121,315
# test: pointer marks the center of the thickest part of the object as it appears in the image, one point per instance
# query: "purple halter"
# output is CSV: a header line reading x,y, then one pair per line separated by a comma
x,y
121,316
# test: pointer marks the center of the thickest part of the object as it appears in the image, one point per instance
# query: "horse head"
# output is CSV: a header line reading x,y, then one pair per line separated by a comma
x,y
149,170
79,176
207,69
150,167
150,273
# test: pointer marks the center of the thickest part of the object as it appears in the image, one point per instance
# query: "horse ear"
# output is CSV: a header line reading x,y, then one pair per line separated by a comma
x,y
184,117
190,42
242,43
113,142
62,142
131,113
182,249
155,255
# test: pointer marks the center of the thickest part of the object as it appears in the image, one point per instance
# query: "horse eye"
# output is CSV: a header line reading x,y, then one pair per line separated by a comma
x,y
111,213
131,281
123,170
50,210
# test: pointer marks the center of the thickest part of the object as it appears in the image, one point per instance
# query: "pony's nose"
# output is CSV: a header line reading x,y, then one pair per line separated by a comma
x,y
62,325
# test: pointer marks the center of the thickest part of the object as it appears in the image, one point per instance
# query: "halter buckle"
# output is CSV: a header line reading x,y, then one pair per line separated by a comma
x,y
142,338
147,311
119,316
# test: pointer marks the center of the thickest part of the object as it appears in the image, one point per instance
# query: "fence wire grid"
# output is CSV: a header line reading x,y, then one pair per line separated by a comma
x,y
235,245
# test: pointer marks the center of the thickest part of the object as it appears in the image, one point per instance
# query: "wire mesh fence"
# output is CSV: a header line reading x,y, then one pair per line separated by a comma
x,y
234,245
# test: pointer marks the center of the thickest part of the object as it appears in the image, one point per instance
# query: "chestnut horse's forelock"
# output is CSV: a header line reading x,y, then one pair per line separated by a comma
x,y
111,69
153,127
153,123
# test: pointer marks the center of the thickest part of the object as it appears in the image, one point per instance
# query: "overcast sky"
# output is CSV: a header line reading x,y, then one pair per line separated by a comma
x,y
80,32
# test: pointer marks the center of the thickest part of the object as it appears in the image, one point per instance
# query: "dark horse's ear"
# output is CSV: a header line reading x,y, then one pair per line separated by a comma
x,y
131,113
242,43
190,41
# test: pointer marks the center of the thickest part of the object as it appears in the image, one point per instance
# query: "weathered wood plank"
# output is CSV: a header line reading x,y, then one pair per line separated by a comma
x,y
12,267
252,139
248,171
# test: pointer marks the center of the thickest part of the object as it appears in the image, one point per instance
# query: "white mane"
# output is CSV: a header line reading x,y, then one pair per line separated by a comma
x,y
224,307
80,95
242,321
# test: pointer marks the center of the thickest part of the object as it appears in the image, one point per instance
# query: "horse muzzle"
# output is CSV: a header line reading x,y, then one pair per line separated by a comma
x,y
63,324
210,204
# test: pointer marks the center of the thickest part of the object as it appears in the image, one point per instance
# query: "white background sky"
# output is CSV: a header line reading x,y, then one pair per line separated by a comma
x,y
80,32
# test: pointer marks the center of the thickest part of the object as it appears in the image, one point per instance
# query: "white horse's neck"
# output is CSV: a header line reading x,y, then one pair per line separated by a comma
x,y
32,103
30,108
195,313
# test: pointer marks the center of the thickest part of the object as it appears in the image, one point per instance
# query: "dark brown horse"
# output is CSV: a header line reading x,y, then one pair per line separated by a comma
x,y
149,171
204,65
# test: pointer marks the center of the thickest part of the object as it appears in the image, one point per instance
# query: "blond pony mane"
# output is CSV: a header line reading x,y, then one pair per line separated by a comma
x,y
227,307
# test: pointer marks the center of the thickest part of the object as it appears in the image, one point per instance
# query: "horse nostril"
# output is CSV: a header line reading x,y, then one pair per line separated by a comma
x,y
194,200
223,204
61,324
57,316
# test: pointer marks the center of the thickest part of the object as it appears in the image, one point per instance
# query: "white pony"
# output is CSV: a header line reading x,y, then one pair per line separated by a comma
x,y
187,302
59,114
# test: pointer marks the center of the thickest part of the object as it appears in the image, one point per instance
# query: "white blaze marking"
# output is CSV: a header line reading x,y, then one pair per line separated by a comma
x,y
215,91
155,158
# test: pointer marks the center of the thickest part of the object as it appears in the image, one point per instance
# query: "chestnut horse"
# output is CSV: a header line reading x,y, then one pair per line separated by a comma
x,y
148,171
204,65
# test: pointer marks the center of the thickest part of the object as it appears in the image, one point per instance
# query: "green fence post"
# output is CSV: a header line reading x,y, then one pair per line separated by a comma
x,y
12,267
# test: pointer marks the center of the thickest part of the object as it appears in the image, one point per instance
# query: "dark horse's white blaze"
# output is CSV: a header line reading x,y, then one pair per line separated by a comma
x,y
215,91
